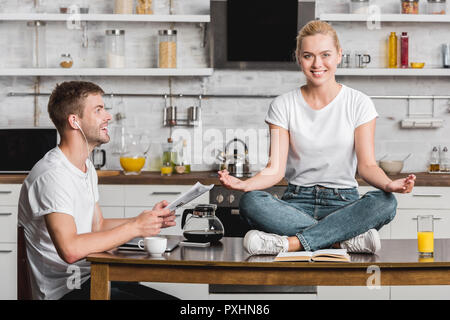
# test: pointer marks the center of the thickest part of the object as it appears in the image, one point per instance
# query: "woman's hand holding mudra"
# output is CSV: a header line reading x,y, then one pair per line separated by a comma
x,y
404,185
231,182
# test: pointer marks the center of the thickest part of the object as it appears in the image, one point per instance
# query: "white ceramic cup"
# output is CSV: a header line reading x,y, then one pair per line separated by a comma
x,y
155,246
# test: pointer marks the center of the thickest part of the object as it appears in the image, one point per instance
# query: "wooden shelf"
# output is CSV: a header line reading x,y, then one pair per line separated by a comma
x,y
103,17
385,17
125,72
425,72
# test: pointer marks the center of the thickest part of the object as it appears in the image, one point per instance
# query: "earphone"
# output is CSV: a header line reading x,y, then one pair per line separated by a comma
x,y
87,148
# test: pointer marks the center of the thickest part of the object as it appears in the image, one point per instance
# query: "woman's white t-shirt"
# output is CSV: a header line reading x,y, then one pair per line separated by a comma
x,y
321,150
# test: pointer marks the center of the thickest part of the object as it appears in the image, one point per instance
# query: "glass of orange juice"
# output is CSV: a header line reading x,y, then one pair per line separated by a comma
x,y
132,165
425,235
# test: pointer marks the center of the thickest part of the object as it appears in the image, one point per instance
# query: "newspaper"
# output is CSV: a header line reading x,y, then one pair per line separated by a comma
x,y
196,191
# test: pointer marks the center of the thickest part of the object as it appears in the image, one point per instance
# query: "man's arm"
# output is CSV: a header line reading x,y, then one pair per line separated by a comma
x,y
72,247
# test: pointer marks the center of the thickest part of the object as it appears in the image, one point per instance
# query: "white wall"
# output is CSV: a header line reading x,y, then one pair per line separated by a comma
x,y
231,114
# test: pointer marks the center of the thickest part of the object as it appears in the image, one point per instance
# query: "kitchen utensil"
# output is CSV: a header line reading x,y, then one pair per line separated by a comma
x,y
237,164
346,60
391,166
359,6
417,65
436,7
98,158
132,157
201,224
170,116
382,157
37,37
66,61
362,60
446,55
123,6
407,157
115,48
167,48
410,6
155,246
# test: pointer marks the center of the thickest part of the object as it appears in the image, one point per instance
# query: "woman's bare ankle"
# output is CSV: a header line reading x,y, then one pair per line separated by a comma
x,y
294,244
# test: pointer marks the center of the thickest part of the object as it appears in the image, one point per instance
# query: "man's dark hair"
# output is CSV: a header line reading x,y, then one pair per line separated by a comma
x,y
68,98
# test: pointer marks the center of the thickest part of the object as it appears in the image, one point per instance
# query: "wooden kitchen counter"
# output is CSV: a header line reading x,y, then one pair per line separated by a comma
x,y
226,262
210,177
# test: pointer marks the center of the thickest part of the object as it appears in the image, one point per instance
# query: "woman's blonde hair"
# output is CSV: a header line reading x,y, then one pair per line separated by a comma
x,y
312,28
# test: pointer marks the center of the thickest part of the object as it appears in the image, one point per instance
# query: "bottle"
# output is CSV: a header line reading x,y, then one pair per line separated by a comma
x,y
434,162
444,161
404,44
186,158
392,50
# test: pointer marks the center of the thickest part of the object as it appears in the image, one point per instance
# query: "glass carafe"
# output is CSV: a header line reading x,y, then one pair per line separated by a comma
x,y
132,157
201,224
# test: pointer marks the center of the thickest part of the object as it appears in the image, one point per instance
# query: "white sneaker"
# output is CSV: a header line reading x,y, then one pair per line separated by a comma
x,y
368,242
258,242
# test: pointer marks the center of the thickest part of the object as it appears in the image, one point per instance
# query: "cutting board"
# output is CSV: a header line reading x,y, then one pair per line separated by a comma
x,y
108,173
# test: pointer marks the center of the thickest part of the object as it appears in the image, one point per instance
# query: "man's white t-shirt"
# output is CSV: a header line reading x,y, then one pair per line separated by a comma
x,y
321,150
55,185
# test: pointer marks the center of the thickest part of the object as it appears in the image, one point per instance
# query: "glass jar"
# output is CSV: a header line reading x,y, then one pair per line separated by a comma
x,y
436,7
115,48
167,49
66,61
359,6
37,39
144,7
410,6
123,6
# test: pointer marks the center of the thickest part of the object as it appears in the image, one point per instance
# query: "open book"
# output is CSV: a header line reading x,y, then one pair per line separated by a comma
x,y
331,255
196,191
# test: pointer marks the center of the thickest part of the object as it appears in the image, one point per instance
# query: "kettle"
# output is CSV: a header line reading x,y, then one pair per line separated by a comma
x,y
202,225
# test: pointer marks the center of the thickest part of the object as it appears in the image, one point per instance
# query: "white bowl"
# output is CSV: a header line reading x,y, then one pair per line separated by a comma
x,y
391,166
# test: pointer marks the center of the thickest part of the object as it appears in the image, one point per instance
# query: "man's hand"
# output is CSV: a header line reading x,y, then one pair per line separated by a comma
x,y
150,222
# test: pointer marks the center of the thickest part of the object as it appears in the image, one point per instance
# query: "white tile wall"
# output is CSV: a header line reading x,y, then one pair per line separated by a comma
x,y
231,114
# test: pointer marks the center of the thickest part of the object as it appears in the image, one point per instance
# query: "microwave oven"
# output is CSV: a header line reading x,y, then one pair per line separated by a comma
x,y
21,148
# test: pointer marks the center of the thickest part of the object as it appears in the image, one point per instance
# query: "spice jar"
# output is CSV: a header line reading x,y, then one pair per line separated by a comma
x,y
359,6
167,49
144,7
436,7
115,48
410,6
66,61
123,6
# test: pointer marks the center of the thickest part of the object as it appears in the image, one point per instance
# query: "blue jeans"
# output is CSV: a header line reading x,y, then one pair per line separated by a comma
x,y
318,216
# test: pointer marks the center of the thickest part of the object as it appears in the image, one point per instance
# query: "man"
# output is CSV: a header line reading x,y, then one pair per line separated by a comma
x,y
58,205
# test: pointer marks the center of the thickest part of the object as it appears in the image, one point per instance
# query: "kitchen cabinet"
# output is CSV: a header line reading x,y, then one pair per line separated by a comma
x,y
421,201
9,196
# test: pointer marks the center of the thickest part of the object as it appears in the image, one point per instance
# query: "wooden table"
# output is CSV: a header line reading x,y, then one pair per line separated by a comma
x,y
228,263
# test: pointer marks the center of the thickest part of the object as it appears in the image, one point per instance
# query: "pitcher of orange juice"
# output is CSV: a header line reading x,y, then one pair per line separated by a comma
x,y
132,157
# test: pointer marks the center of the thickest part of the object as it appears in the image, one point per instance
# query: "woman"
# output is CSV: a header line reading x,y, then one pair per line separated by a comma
x,y
320,134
